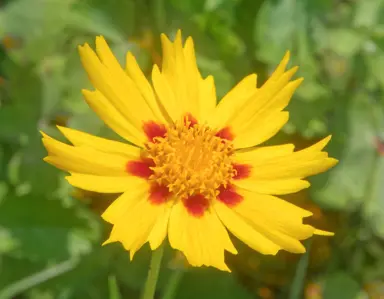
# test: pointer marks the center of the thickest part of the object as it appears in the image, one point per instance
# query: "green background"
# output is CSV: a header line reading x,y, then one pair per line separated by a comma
x,y
50,234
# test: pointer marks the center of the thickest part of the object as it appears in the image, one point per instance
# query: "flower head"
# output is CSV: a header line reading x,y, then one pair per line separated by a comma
x,y
193,169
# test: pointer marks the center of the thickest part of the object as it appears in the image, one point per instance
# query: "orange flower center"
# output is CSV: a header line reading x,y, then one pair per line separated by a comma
x,y
190,160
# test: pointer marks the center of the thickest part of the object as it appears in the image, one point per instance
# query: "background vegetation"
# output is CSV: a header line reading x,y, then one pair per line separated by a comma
x,y
50,233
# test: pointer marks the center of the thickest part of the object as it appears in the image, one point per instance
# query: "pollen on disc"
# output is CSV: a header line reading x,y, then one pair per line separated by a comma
x,y
191,160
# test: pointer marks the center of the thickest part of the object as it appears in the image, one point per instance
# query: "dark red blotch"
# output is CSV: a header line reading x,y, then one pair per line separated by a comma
x,y
153,129
243,171
189,118
196,205
158,194
225,133
140,168
229,196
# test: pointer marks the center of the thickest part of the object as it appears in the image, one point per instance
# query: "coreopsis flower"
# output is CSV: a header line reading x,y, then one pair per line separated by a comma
x,y
192,169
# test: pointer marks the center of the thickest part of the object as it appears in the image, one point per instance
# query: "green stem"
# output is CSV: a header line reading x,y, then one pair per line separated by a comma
x,y
301,270
159,14
33,280
153,274
173,283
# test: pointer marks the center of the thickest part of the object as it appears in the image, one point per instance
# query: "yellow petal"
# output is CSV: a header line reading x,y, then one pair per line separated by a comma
x,y
125,201
292,168
282,66
276,219
119,89
79,138
243,231
103,184
135,220
165,93
272,94
283,163
113,118
323,233
201,239
233,101
105,81
314,151
266,223
262,154
146,108
179,85
263,130
159,230
83,159
146,90
253,114
276,187
207,99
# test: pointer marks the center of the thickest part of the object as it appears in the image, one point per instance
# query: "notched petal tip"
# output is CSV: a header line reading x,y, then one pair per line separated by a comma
x,y
101,44
301,249
108,241
297,82
100,39
178,35
131,254
44,135
189,42
305,184
130,58
332,162
164,38
83,48
226,269
287,55
323,233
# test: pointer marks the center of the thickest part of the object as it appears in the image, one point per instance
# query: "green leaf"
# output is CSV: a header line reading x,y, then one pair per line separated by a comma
x,y
21,114
345,42
39,24
51,71
374,203
274,29
43,229
345,186
367,13
33,170
374,60
341,285
94,22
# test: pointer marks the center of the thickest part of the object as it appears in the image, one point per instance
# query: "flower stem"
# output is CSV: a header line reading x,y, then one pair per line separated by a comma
x,y
173,283
153,273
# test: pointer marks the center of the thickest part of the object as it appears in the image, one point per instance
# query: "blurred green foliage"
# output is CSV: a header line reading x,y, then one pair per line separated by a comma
x,y
50,234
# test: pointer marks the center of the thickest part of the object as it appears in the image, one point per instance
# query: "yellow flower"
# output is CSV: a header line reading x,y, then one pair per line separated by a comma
x,y
196,169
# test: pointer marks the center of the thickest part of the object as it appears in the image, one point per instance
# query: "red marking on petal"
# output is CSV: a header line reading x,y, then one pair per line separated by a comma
x,y
158,194
229,196
379,146
140,168
225,133
196,205
189,120
153,129
243,171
